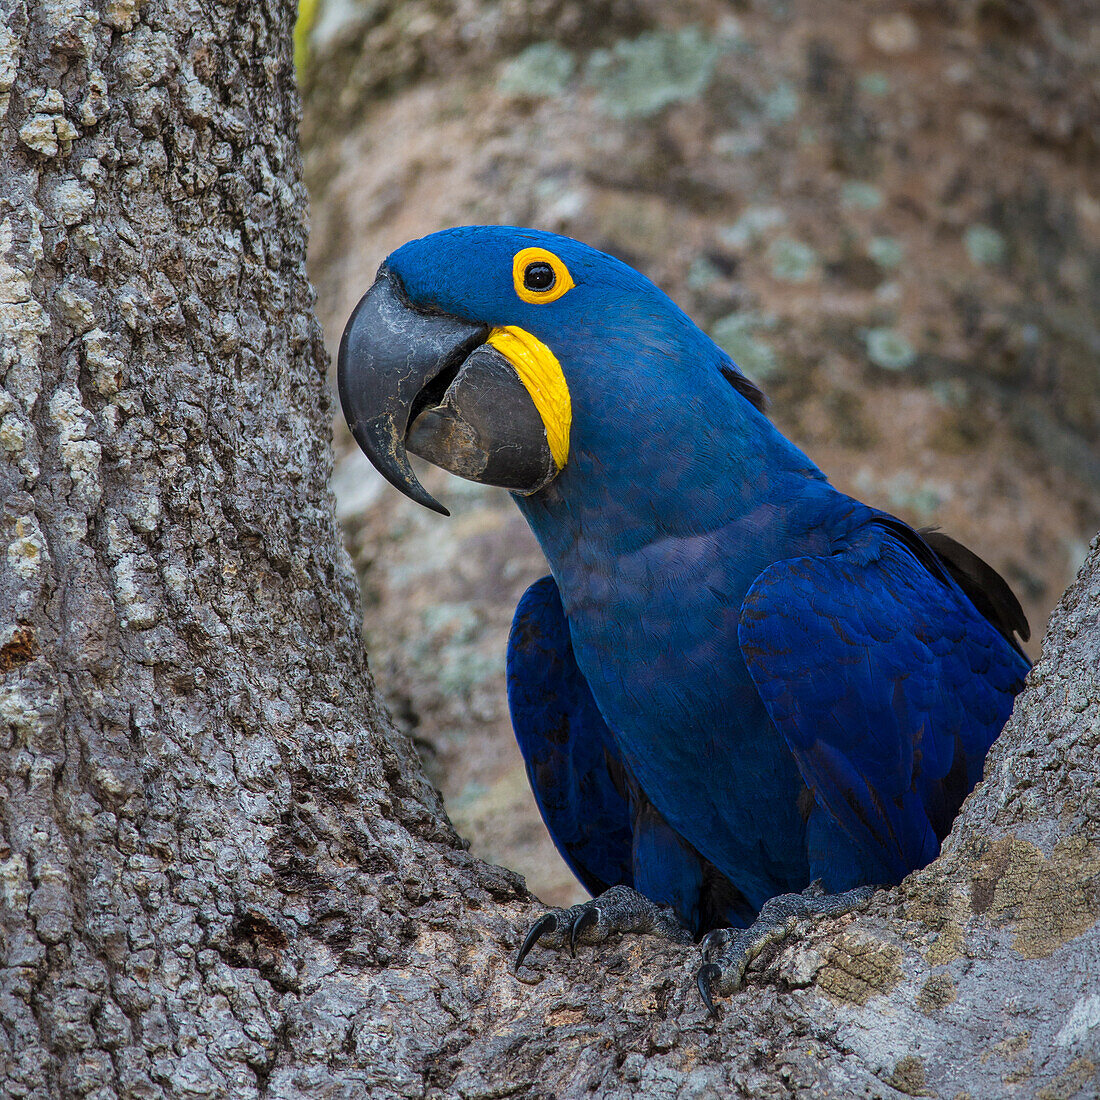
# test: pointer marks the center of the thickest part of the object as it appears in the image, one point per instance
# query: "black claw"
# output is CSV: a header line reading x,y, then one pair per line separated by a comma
x,y
588,918
705,977
538,930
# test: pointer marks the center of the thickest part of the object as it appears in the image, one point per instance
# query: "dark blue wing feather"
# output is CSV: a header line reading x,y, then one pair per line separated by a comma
x,y
887,684
572,762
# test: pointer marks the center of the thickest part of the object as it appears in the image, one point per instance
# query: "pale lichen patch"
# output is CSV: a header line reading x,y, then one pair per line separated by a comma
x,y
27,551
48,131
1083,1018
1046,901
22,319
87,240
80,454
120,539
1009,1050
800,964
70,25
22,714
104,367
1011,1047
10,45
75,309
70,201
40,133
1079,1073
137,612
909,1077
121,14
13,434
96,102
143,512
1020,1074
857,970
949,944
15,282
15,889
936,993
943,909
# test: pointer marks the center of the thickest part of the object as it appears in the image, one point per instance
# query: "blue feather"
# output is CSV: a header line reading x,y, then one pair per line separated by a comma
x,y
572,763
738,679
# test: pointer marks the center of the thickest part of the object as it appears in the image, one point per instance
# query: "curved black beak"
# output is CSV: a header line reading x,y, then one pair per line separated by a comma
x,y
388,354
428,383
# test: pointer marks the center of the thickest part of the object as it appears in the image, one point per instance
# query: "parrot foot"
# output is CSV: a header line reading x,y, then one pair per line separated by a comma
x,y
619,909
727,952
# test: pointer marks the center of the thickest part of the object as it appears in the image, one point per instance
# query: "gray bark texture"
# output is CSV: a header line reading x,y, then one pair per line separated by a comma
x,y
222,873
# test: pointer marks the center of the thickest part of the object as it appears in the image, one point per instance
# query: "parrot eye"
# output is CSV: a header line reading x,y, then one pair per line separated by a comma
x,y
539,276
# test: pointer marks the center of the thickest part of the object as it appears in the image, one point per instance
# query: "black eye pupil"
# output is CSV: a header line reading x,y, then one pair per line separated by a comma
x,y
538,276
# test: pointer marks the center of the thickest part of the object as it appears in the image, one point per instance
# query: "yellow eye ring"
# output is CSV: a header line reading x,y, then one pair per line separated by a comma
x,y
529,271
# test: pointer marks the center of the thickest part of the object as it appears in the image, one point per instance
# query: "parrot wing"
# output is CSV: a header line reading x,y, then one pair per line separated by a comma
x,y
572,763
886,682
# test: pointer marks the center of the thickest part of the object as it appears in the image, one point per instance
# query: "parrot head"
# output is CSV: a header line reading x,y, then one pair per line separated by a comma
x,y
494,352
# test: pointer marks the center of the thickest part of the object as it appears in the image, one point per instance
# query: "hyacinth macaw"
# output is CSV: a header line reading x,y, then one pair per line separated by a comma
x,y
741,695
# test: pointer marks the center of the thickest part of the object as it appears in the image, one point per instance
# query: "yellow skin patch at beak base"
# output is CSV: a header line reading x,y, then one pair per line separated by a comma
x,y
539,370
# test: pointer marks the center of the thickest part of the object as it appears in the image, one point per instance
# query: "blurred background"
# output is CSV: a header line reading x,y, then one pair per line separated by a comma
x,y
888,214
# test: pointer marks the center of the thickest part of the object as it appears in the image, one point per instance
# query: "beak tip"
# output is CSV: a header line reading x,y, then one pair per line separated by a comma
x,y
399,473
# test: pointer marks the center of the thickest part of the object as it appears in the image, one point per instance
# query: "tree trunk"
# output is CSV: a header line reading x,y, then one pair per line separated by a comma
x,y
222,871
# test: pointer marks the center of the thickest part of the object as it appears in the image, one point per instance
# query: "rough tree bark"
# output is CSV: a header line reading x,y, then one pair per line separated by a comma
x,y
221,872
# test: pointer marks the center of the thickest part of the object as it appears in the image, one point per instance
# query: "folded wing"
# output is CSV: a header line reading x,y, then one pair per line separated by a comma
x,y
888,684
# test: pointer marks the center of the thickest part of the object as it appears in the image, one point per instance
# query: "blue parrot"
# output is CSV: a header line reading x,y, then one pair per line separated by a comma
x,y
741,696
